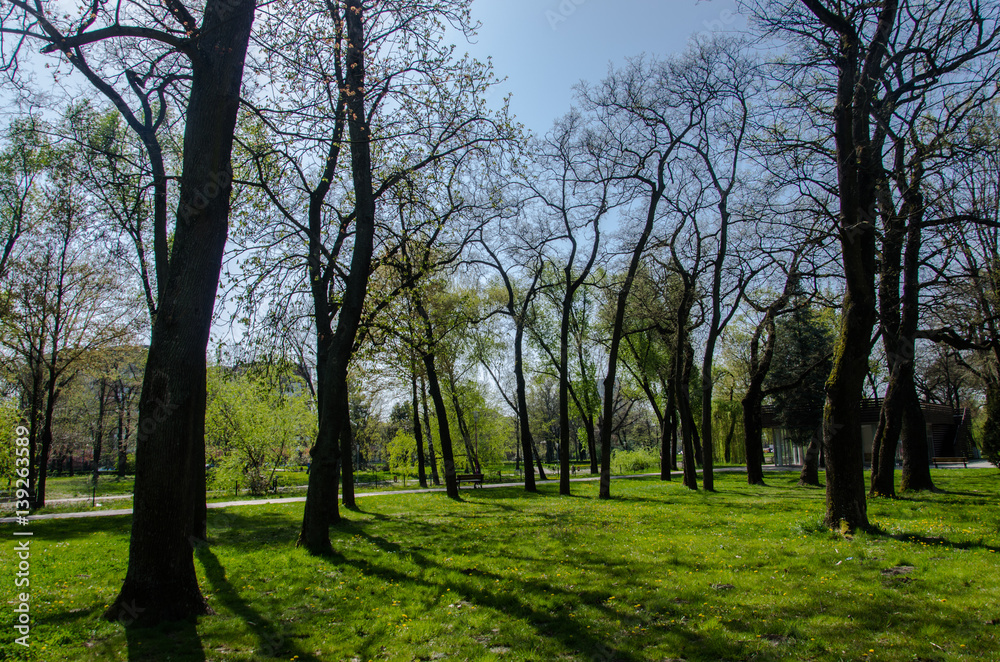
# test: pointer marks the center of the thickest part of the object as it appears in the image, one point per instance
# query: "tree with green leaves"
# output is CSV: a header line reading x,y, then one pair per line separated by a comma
x,y
253,427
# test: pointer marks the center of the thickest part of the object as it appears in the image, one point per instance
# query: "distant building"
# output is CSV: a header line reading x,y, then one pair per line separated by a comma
x,y
948,431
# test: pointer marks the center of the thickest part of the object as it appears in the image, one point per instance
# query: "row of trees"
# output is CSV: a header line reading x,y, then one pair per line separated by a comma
x,y
378,212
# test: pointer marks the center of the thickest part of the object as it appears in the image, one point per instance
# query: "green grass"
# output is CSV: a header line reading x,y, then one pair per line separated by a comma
x,y
657,573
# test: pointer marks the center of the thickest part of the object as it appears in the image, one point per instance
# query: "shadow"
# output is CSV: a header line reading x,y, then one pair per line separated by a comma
x,y
936,541
177,640
545,606
274,640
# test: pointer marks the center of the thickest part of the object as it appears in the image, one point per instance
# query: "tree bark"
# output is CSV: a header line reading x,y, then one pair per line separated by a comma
x,y
522,409
858,170
160,583
444,434
430,438
317,517
417,433
347,461
685,356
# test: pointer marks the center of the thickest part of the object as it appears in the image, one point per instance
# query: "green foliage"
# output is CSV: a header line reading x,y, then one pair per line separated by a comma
x,y
250,429
402,454
991,425
633,462
727,431
10,417
803,338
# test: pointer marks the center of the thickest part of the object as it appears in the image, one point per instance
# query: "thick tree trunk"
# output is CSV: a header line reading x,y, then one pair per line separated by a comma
x,y
753,429
858,169
160,583
916,455
665,447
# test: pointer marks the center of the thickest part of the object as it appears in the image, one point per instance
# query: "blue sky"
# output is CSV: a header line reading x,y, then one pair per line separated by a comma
x,y
544,47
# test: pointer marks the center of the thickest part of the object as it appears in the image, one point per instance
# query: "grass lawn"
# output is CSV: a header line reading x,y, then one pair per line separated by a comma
x,y
657,573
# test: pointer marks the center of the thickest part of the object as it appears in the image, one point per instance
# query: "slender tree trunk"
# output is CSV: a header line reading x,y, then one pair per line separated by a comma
x,y
417,433
444,434
538,460
122,455
430,438
99,432
588,424
317,516
682,376
809,476
527,442
160,583
564,392
347,459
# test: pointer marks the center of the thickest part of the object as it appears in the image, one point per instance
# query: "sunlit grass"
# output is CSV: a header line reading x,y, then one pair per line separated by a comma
x,y
656,573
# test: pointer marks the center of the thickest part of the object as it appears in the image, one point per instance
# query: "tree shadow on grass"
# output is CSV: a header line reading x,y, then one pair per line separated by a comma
x,y
548,621
177,640
273,639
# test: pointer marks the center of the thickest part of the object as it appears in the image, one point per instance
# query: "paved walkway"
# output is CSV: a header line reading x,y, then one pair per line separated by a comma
x,y
973,464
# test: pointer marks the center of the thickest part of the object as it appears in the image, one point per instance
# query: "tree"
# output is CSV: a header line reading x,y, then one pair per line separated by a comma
x,y
861,49
252,427
574,192
63,306
23,162
641,121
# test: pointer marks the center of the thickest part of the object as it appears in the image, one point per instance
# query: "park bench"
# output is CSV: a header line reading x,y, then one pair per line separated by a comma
x,y
950,460
475,479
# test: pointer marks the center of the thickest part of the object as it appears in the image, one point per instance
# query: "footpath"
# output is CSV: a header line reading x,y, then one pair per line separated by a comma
x,y
973,464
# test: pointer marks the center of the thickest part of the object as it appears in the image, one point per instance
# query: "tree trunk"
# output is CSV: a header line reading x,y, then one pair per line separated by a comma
x,y
430,438
522,410
121,441
99,432
858,169
753,432
160,583
347,461
318,513
665,446
588,424
417,433
809,475
682,377
444,434
564,391
916,455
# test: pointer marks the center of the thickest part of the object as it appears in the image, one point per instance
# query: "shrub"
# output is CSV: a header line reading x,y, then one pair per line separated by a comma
x,y
637,461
